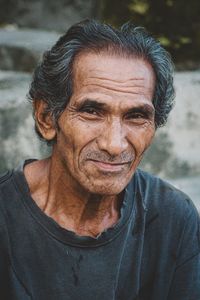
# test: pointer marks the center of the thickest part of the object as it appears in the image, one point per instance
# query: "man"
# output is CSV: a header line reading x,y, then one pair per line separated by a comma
x,y
86,223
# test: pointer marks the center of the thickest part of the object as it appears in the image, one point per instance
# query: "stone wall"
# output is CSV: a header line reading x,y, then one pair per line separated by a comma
x,y
46,14
20,51
17,137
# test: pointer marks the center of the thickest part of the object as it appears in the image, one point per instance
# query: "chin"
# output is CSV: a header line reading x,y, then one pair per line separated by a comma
x,y
104,184
108,189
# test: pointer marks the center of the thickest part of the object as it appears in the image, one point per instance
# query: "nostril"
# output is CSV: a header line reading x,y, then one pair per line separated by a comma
x,y
114,144
112,137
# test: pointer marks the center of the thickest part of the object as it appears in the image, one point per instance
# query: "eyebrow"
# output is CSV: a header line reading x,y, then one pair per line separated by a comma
x,y
142,108
145,108
92,103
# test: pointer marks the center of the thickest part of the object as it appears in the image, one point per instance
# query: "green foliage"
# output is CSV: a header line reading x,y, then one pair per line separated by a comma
x,y
175,22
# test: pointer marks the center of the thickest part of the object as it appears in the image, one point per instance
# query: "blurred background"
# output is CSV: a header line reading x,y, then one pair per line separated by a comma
x,y
28,27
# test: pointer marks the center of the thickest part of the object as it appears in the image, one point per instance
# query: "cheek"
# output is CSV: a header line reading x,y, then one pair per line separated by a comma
x,y
148,137
141,139
82,136
73,138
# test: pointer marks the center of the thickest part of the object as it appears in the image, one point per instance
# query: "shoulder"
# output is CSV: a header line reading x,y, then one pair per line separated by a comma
x,y
159,194
5,177
5,184
159,191
4,196
8,191
5,188
170,213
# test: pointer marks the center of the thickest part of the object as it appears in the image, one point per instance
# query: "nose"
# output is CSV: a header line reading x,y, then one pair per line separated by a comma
x,y
113,138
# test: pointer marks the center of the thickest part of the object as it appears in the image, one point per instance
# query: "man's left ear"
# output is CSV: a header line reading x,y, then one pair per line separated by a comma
x,y
44,120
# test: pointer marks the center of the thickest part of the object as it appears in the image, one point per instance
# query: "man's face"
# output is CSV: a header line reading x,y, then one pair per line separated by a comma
x,y
108,123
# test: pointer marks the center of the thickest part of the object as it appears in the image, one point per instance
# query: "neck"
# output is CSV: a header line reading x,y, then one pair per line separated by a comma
x,y
72,208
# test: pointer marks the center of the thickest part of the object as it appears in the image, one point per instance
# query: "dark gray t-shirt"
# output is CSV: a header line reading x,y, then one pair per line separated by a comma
x,y
152,253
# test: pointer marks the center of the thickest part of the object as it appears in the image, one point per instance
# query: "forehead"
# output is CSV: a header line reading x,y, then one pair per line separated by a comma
x,y
104,62
109,74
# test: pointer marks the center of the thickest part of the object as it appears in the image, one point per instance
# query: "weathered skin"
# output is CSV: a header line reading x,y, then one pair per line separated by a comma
x,y
101,138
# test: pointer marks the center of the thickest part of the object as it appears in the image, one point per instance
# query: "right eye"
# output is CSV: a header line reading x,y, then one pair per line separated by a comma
x,y
90,110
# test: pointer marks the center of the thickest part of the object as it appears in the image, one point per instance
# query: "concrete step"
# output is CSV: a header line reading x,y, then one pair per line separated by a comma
x,y
13,88
20,49
17,137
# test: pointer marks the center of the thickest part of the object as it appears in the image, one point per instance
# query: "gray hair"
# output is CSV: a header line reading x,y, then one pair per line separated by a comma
x,y
53,78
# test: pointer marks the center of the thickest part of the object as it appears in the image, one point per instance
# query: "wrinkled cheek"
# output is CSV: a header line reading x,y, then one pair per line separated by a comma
x,y
87,169
143,143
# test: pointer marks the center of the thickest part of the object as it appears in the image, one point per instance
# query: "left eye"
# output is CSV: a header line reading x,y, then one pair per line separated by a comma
x,y
135,116
91,111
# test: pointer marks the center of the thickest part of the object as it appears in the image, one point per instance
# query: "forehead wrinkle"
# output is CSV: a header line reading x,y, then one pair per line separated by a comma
x,y
135,92
135,89
88,75
105,76
115,80
91,79
138,82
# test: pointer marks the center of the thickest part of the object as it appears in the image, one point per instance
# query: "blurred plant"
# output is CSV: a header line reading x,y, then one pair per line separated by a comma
x,y
175,22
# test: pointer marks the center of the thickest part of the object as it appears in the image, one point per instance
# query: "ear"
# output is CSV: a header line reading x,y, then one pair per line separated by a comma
x,y
44,121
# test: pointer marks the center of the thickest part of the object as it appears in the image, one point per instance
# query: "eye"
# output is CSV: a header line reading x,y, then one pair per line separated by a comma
x,y
135,115
137,118
90,110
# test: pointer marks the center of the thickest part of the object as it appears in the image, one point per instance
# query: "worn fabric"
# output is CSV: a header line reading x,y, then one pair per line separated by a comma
x,y
152,253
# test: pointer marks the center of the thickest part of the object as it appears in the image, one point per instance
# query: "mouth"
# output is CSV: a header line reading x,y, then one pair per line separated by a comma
x,y
110,167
